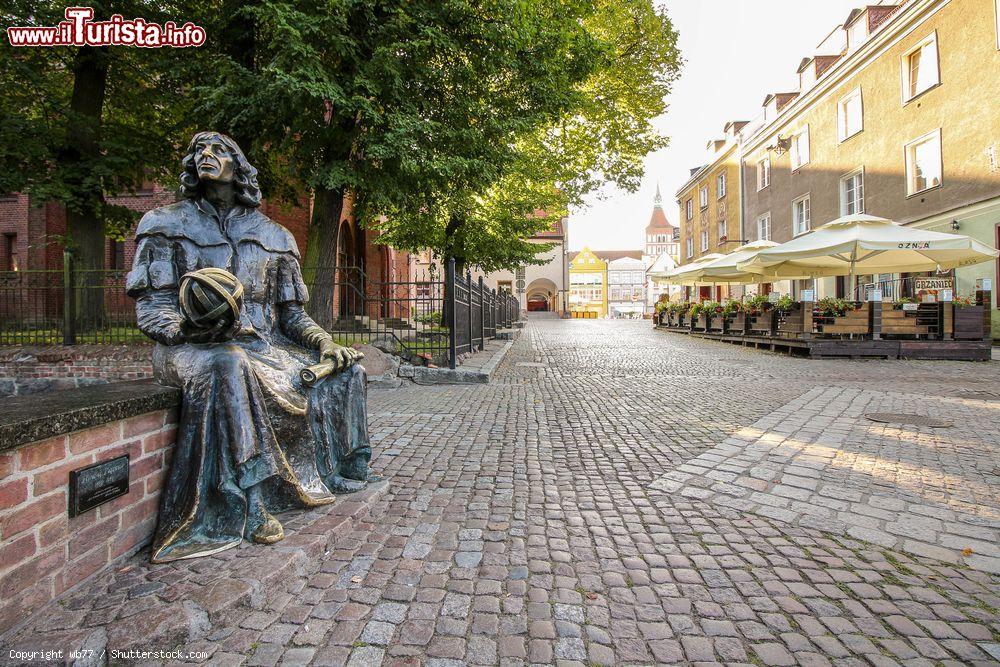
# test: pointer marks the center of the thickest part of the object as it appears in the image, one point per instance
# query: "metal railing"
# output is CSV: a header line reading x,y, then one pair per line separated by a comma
x,y
34,305
474,313
431,318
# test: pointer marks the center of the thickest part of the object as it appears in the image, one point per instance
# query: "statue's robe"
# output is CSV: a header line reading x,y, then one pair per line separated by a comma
x,y
246,417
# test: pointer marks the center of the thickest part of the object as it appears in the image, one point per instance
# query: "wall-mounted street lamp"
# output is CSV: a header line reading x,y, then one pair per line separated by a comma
x,y
955,225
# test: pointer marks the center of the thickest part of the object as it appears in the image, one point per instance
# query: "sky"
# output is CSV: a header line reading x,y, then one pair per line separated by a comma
x,y
735,53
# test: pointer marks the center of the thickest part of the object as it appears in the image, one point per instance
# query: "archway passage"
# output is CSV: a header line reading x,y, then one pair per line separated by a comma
x,y
538,302
541,295
350,271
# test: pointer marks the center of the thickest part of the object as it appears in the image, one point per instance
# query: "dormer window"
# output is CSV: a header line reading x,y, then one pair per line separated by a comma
x,y
770,108
857,32
807,77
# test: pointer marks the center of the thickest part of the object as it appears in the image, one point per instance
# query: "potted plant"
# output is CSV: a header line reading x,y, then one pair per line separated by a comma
x,y
717,317
759,309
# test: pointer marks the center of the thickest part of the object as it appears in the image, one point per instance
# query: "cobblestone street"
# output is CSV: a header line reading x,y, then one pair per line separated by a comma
x,y
620,495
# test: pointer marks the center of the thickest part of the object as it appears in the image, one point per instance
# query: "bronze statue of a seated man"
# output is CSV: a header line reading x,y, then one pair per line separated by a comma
x,y
253,438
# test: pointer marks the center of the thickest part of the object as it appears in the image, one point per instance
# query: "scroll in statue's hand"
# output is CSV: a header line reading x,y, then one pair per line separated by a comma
x,y
341,357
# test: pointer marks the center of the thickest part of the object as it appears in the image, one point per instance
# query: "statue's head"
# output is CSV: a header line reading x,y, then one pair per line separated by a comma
x,y
214,157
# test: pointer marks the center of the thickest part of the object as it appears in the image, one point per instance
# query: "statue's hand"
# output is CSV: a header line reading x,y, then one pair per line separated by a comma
x,y
342,357
221,332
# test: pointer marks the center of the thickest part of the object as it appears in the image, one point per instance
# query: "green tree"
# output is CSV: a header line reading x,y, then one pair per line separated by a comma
x,y
393,103
79,125
602,137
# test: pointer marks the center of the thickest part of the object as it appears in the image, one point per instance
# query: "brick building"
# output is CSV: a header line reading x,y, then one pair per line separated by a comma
x,y
31,258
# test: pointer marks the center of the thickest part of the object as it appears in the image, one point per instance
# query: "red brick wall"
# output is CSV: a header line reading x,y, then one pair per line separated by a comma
x,y
42,551
294,218
30,370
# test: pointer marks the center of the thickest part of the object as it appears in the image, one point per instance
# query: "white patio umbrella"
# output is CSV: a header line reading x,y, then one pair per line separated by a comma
x,y
865,244
685,274
725,268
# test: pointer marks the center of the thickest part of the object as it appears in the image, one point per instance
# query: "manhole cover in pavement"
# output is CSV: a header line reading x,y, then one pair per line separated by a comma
x,y
908,418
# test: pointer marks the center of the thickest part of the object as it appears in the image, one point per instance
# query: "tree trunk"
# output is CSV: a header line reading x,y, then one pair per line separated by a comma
x,y
84,222
321,255
451,250
239,43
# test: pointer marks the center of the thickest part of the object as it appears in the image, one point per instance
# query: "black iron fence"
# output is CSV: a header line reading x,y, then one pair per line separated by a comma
x,y
431,318
34,305
474,312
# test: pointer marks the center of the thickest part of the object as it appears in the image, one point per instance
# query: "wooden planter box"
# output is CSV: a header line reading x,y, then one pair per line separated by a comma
x,y
790,322
854,322
737,323
700,323
968,323
761,323
717,323
903,323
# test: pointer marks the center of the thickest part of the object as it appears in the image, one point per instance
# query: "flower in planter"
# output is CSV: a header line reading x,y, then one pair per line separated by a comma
x,y
898,303
785,303
835,307
964,301
756,304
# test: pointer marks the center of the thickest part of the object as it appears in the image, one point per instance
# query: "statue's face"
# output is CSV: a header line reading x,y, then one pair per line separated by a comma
x,y
214,161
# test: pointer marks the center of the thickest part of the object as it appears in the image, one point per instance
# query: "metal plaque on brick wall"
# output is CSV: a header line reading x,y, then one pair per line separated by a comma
x,y
97,484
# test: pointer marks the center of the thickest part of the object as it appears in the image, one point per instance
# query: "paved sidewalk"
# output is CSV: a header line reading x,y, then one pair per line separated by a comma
x,y
819,462
522,524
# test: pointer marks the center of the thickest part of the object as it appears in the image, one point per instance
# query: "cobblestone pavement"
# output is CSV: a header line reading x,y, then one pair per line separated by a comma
x,y
531,520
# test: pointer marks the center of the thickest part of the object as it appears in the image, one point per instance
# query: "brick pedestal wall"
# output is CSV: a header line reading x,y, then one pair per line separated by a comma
x,y
42,551
32,370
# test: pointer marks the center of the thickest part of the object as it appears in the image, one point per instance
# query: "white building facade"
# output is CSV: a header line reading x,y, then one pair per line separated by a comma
x,y
626,288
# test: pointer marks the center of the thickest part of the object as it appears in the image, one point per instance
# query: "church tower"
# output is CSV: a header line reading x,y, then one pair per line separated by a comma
x,y
661,236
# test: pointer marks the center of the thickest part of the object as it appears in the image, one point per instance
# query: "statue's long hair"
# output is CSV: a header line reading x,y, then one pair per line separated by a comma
x,y
244,173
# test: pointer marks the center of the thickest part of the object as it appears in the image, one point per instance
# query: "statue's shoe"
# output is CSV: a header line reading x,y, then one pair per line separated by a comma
x,y
268,532
338,484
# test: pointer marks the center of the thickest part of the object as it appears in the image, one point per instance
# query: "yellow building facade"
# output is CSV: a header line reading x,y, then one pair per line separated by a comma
x,y
588,285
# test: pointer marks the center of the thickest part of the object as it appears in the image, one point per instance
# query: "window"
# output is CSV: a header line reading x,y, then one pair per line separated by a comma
x,y
11,260
116,256
704,240
852,193
800,149
920,68
703,196
857,33
763,172
850,115
690,248
800,215
923,163
689,209
720,185
723,230
764,227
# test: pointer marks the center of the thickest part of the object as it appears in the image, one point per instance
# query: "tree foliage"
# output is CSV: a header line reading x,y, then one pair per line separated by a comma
x,y
602,135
